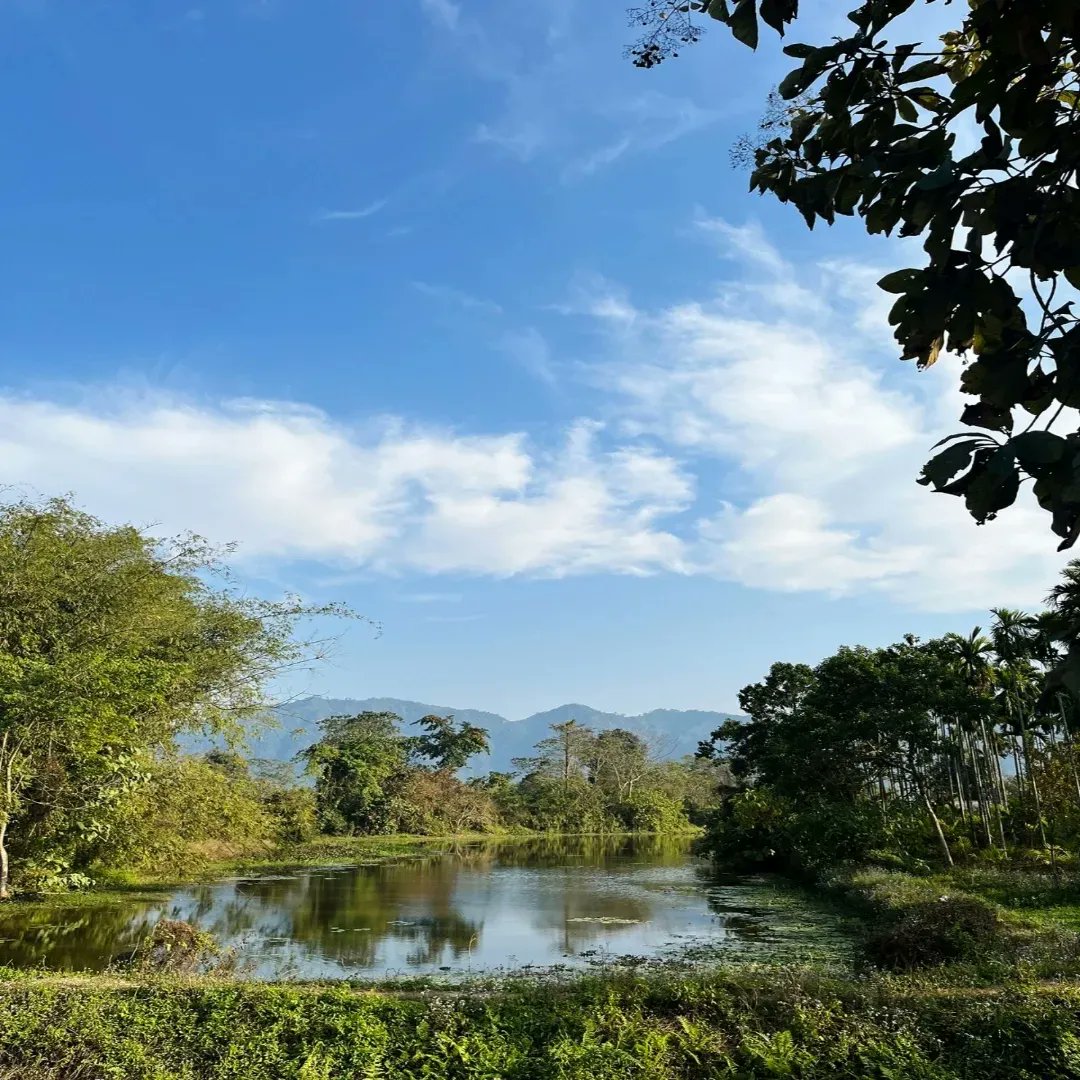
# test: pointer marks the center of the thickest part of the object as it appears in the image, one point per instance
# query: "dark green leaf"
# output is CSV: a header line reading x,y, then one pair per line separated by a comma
x,y
944,174
899,281
942,467
925,69
1035,448
777,13
743,23
994,487
984,415
793,84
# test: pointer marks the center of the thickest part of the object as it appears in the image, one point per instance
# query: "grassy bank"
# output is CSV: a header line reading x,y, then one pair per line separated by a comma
x,y
967,924
742,1025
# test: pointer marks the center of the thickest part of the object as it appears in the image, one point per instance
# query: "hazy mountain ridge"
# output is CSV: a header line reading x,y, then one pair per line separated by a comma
x,y
674,732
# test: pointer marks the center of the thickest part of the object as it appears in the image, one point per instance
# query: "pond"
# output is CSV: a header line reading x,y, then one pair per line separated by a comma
x,y
506,906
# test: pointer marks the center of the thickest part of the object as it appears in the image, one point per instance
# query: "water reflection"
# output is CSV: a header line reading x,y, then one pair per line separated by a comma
x,y
479,906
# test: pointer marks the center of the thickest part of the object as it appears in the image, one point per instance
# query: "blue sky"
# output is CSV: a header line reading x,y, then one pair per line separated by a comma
x,y
441,308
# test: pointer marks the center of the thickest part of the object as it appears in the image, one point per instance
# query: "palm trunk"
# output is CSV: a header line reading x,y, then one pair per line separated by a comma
x,y
981,787
1031,779
919,782
944,844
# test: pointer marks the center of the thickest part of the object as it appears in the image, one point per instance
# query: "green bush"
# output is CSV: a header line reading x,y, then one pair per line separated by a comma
x,y
293,812
652,811
936,931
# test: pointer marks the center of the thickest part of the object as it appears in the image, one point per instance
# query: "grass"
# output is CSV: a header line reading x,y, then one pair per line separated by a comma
x,y
739,1024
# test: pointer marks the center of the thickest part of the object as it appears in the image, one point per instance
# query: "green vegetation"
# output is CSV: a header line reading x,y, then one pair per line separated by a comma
x,y
961,746
370,778
931,788
113,644
117,647
748,1025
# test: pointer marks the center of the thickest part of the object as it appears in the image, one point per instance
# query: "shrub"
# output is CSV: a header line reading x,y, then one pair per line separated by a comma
x,y
293,812
187,812
177,946
949,928
652,811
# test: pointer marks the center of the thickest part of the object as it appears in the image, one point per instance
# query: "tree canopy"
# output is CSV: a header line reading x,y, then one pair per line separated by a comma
x,y
873,129
113,643
961,742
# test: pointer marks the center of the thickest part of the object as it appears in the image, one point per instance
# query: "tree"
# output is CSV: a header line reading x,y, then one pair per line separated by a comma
x,y
229,761
618,760
448,746
112,643
759,747
360,766
562,756
872,130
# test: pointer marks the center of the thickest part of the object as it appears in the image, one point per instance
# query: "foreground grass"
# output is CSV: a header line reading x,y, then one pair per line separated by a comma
x,y
744,1024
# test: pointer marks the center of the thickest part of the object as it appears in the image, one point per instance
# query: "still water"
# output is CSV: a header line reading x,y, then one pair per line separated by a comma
x,y
480,907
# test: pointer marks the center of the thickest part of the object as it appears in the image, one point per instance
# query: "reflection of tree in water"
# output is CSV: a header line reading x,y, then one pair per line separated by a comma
x,y
613,852
432,905
346,915
75,938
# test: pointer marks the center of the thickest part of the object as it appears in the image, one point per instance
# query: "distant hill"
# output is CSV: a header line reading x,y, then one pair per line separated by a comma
x,y
673,732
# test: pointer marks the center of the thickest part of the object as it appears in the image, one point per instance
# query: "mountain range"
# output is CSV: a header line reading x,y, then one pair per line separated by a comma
x,y
671,732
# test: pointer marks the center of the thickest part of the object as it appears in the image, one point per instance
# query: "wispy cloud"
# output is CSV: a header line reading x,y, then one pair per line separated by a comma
x,y
529,349
771,443
443,12
799,404
370,210
448,295
561,98
522,141
643,123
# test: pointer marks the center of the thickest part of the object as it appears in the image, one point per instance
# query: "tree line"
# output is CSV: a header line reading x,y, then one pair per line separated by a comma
x,y
963,745
371,778
119,648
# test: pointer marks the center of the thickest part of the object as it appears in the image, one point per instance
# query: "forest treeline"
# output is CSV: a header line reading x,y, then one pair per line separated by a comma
x,y
117,649
372,778
923,752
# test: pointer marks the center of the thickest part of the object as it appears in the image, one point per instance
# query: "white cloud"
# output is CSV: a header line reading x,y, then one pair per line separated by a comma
x,y
763,434
787,383
288,483
564,99
643,123
521,141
